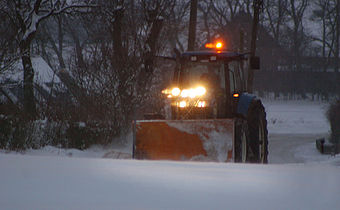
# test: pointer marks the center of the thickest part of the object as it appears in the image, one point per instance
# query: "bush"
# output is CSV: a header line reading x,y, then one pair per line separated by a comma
x,y
5,131
82,135
333,115
79,136
18,135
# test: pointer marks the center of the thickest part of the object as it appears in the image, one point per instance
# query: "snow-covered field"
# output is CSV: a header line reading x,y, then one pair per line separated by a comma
x,y
296,117
297,178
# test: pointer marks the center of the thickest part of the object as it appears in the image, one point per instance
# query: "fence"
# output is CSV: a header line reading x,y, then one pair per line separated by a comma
x,y
324,84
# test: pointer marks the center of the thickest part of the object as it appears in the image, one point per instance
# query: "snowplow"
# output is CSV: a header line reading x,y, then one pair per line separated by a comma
x,y
210,116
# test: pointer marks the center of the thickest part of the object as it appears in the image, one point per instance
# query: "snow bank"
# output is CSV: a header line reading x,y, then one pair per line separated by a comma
x,y
95,151
31,182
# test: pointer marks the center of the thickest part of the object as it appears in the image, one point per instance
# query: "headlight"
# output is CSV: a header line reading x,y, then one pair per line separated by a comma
x,y
201,104
175,91
192,93
185,93
200,91
182,104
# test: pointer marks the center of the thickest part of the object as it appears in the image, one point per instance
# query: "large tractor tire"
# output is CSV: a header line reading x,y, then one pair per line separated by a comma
x,y
241,141
258,133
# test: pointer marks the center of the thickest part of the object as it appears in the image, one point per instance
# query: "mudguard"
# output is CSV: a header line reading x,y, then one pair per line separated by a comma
x,y
244,103
203,140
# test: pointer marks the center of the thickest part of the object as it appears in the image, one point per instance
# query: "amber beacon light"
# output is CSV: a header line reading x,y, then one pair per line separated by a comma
x,y
217,45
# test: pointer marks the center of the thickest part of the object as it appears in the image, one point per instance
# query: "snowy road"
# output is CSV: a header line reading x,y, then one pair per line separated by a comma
x,y
36,182
294,148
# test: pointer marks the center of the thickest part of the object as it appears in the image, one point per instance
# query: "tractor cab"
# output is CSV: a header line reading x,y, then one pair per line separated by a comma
x,y
206,84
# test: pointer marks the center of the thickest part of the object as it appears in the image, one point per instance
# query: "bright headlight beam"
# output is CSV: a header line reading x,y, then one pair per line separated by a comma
x,y
200,91
201,104
175,91
185,93
182,104
192,93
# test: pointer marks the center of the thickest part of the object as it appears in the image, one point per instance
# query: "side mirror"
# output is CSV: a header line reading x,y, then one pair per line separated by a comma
x,y
255,63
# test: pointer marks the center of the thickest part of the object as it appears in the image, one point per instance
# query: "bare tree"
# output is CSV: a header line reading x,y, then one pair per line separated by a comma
x,y
119,52
205,8
192,25
226,17
8,53
51,41
324,13
176,26
296,12
27,16
275,16
223,11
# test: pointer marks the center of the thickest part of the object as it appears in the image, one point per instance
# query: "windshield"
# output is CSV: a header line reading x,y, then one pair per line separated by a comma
x,y
210,75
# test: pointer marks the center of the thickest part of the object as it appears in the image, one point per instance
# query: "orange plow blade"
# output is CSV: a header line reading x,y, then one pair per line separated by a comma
x,y
202,140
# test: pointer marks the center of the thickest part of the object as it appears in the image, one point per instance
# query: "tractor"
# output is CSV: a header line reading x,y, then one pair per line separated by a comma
x,y
210,116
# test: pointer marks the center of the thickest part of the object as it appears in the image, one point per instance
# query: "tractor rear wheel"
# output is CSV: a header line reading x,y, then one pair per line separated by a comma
x,y
258,133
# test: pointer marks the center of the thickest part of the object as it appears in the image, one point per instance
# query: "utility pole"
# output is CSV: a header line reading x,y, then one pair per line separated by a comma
x,y
192,25
257,4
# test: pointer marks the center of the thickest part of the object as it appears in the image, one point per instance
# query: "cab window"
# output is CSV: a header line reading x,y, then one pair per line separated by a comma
x,y
237,76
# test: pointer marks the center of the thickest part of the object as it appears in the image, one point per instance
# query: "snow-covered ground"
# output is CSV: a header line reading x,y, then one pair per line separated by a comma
x,y
293,127
297,178
33,182
296,117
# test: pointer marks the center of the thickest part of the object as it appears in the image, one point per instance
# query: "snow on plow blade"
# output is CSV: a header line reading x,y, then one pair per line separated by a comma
x,y
203,140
